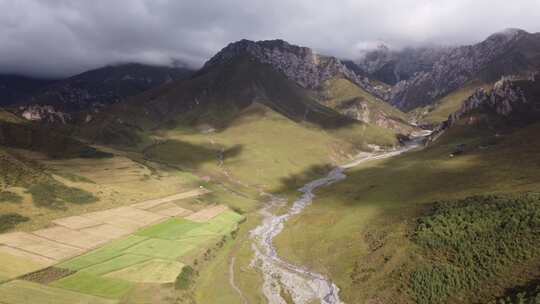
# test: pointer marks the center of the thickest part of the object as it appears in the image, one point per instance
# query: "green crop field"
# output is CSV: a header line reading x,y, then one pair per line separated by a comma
x,y
116,263
94,285
153,271
172,229
153,255
102,254
23,292
163,249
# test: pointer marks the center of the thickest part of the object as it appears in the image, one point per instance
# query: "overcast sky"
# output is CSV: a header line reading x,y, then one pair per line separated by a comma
x,y
64,37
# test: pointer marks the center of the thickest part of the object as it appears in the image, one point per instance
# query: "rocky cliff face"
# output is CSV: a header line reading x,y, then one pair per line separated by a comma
x,y
360,110
509,52
43,113
514,98
392,66
300,64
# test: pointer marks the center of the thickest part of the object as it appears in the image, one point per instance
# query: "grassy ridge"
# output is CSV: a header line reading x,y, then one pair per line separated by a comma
x,y
441,109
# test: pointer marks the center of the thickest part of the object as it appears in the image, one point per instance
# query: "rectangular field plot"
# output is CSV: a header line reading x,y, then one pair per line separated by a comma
x,y
106,231
163,249
71,237
119,262
24,292
27,255
222,224
95,285
170,230
144,217
39,246
103,254
153,271
112,218
171,210
76,222
153,203
14,264
206,214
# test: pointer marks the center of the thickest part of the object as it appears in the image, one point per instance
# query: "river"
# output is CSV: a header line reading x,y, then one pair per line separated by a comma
x,y
281,277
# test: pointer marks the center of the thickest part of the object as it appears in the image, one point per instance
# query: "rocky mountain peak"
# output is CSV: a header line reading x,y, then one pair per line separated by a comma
x,y
507,35
511,95
500,54
300,64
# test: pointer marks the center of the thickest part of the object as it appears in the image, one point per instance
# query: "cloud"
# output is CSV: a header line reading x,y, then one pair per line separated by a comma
x,y
64,37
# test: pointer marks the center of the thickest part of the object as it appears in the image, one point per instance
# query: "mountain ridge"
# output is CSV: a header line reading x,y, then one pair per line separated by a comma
x,y
503,53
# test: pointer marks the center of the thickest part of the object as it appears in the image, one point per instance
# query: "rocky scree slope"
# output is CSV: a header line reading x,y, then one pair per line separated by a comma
x,y
512,51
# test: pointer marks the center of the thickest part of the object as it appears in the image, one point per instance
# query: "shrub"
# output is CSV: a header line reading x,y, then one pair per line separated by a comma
x,y
55,195
185,278
473,240
7,196
10,220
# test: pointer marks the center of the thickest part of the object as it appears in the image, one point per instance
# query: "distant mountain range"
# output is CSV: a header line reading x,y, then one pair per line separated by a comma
x,y
16,88
37,99
292,80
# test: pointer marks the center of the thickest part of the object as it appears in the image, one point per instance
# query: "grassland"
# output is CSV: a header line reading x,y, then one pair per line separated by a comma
x,y
45,189
261,147
338,92
371,215
441,109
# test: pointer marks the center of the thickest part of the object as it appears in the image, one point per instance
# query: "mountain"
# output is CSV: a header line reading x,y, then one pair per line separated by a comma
x,y
512,51
300,64
288,79
16,132
512,102
14,88
392,66
97,88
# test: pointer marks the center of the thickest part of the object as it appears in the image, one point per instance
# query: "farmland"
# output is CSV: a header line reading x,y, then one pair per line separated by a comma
x,y
154,251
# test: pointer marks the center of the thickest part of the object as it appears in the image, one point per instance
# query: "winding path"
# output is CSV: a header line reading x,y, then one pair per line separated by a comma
x,y
281,277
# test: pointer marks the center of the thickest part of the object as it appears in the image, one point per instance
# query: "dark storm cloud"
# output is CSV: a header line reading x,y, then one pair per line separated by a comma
x,y
62,37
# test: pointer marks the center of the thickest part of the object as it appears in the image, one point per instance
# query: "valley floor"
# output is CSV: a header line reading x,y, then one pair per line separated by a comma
x,y
363,233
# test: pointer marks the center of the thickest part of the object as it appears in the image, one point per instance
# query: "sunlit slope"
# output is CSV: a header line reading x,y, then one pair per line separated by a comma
x,y
214,97
261,147
442,108
372,218
351,100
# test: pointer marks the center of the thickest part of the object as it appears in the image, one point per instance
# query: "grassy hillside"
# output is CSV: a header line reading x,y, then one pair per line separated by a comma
x,y
372,217
441,109
215,98
349,99
260,147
